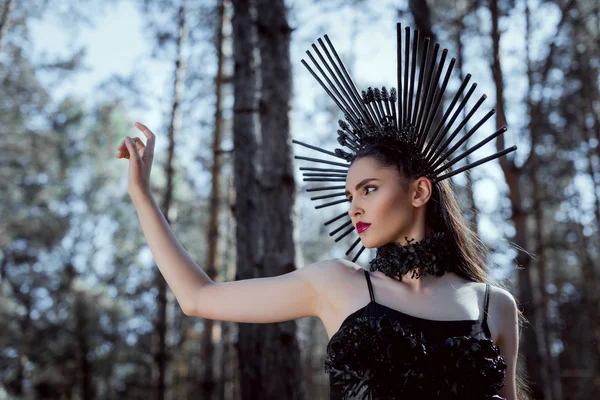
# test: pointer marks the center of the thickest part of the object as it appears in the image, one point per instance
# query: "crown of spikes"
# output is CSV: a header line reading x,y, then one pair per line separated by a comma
x,y
406,117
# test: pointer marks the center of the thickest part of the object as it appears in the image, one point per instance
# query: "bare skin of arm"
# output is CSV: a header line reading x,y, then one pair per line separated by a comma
x,y
259,300
503,318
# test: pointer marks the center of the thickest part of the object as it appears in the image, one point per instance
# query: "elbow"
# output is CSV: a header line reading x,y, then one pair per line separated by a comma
x,y
190,306
187,311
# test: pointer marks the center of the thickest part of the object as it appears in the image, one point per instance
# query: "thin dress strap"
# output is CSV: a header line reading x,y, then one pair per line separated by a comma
x,y
369,283
486,302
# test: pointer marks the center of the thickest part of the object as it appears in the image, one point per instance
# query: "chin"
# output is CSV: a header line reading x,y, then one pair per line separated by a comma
x,y
372,244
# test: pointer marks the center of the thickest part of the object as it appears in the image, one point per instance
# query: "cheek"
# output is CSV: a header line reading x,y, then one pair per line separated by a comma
x,y
390,208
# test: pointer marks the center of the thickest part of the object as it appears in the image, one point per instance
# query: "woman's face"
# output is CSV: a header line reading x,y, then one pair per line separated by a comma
x,y
377,198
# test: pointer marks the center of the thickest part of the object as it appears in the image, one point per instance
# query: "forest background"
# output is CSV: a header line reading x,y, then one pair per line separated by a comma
x,y
84,312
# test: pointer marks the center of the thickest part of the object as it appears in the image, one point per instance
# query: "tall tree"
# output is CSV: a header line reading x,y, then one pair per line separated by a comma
x,y
513,176
281,375
246,207
213,260
268,353
161,354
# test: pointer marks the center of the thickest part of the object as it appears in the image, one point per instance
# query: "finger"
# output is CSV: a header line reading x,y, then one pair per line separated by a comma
x,y
140,145
149,136
122,151
133,152
121,148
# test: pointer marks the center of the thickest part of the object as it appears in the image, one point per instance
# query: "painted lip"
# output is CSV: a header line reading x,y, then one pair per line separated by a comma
x,y
362,226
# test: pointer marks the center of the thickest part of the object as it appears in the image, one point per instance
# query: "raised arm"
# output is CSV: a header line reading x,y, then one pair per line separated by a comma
x,y
260,300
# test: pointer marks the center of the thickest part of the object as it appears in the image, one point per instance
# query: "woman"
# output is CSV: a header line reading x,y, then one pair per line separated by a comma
x,y
423,322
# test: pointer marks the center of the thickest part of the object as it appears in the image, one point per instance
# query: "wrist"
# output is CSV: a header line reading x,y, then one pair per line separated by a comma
x,y
139,196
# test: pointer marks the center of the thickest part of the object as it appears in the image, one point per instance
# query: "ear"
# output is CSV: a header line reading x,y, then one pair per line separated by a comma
x,y
422,189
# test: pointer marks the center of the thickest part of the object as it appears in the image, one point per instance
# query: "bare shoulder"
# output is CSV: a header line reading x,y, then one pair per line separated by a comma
x,y
333,280
504,316
503,313
330,268
503,301
323,273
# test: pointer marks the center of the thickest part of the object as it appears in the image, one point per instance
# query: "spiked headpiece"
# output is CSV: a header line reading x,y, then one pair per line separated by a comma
x,y
406,116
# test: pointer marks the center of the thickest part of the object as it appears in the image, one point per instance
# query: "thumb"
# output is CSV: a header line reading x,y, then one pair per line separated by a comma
x,y
133,151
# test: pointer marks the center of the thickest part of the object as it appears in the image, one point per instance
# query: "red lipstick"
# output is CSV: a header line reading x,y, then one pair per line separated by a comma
x,y
362,226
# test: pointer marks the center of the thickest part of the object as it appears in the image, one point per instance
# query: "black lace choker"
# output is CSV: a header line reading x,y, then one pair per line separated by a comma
x,y
429,256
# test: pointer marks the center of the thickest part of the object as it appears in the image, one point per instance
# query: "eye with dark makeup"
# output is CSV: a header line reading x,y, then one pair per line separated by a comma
x,y
349,198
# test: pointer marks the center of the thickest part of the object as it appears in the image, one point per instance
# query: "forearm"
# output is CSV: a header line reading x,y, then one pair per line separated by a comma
x,y
181,273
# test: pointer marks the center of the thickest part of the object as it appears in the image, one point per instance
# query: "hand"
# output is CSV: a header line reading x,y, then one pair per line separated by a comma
x,y
140,160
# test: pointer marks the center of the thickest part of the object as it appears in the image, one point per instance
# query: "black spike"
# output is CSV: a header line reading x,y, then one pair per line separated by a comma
x,y
343,235
463,122
386,100
469,151
315,175
318,160
328,196
343,140
324,180
404,92
333,203
439,94
431,87
344,214
333,232
319,189
358,254
412,77
315,148
368,101
438,136
341,64
378,103
393,99
352,94
349,138
353,246
323,170
475,164
422,72
448,152
347,109
347,96
399,74
346,128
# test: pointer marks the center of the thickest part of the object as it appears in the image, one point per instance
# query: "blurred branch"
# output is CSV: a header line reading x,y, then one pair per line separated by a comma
x,y
6,9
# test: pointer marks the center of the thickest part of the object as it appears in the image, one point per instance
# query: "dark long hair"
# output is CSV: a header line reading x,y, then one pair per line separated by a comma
x,y
443,214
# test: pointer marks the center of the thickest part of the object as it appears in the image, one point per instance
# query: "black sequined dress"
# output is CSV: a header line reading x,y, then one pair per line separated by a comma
x,y
383,353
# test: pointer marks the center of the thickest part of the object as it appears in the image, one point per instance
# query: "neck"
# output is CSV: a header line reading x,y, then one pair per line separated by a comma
x,y
414,260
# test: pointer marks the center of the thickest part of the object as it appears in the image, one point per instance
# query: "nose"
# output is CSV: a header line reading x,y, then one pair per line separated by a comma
x,y
354,210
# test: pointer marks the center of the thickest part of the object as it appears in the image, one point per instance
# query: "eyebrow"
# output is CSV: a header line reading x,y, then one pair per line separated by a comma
x,y
361,184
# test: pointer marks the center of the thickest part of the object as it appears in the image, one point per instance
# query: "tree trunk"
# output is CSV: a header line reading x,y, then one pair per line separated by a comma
x,y
549,366
161,355
527,291
281,362
590,285
208,380
246,208
84,371
269,356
